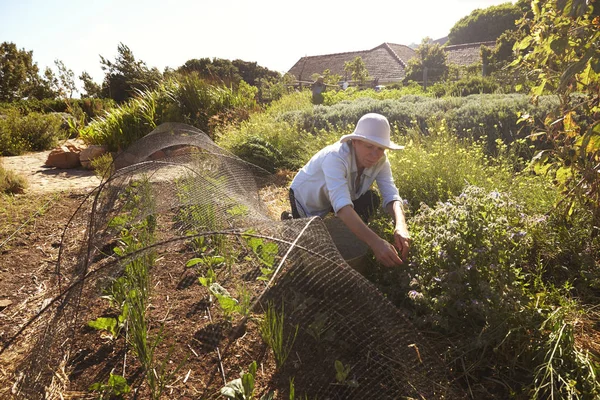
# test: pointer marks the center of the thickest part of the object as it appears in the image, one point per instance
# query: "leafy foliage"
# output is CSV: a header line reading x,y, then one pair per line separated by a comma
x,y
564,51
484,25
185,99
19,75
125,76
357,69
32,132
468,260
430,63
222,71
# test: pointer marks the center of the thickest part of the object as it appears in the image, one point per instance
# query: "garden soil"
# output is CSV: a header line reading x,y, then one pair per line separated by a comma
x,y
341,316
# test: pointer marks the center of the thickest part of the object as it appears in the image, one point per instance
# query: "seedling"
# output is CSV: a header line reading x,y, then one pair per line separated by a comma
x,y
242,388
271,330
116,386
341,374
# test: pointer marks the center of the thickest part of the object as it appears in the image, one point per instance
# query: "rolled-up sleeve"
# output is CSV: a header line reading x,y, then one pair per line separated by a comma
x,y
335,169
385,183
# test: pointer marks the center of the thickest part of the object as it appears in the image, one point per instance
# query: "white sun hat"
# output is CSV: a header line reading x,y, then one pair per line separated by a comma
x,y
375,129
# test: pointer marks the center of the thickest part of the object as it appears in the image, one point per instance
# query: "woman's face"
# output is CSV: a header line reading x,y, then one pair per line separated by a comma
x,y
367,154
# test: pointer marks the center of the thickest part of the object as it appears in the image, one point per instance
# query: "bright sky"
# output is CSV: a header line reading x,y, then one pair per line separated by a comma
x,y
166,33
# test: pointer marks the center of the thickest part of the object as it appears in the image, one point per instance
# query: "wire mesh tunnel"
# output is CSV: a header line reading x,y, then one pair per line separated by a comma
x,y
180,280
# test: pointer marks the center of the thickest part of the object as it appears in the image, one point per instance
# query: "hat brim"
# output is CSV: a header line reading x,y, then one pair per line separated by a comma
x,y
390,146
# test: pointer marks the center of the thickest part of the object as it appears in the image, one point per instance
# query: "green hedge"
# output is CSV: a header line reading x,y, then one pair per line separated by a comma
x,y
492,115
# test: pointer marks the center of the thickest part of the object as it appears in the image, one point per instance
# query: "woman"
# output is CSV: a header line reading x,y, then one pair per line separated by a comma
x,y
338,179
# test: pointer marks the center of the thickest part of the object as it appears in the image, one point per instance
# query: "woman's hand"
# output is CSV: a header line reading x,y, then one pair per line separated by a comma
x,y
385,253
402,241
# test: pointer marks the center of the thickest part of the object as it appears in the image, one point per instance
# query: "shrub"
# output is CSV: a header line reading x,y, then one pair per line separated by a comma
x,y
258,151
32,132
465,87
468,256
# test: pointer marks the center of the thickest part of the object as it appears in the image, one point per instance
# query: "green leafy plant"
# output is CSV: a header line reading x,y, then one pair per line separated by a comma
x,y
228,304
468,256
272,332
319,328
264,251
115,386
242,388
110,324
341,374
209,261
208,279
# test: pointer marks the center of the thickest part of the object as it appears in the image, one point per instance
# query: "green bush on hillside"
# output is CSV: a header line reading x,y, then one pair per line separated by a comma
x,y
32,132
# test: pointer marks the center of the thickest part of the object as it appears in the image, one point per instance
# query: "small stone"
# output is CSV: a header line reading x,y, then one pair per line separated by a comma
x,y
5,303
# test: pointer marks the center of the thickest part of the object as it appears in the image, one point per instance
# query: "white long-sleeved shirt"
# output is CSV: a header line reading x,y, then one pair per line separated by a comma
x,y
328,181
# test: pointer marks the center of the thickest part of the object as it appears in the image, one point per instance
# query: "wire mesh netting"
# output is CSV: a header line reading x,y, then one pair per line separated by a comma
x,y
183,280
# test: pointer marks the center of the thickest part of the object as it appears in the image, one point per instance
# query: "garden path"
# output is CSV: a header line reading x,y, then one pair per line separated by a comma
x,y
42,179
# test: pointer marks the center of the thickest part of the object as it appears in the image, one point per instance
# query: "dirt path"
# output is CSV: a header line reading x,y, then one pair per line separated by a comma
x,y
42,179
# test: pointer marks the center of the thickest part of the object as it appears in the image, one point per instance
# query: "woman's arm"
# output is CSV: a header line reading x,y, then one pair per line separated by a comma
x,y
401,235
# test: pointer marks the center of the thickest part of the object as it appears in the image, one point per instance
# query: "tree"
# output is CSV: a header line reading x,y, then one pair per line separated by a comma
x,y
126,76
92,89
18,73
65,86
230,72
562,54
253,73
429,56
357,69
484,25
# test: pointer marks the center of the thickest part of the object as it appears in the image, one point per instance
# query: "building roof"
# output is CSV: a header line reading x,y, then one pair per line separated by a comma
x,y
466,54
386,62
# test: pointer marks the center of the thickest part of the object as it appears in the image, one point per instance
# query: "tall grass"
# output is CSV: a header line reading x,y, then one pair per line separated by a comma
x,y
186,99
435,167
10,182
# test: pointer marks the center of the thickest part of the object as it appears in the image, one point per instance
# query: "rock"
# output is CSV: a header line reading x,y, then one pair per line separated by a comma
x,y
63,157
88,154
5,303
67,155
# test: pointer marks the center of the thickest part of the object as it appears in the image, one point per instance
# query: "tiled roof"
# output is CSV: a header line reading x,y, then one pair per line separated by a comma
x,y
466,54
385,62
